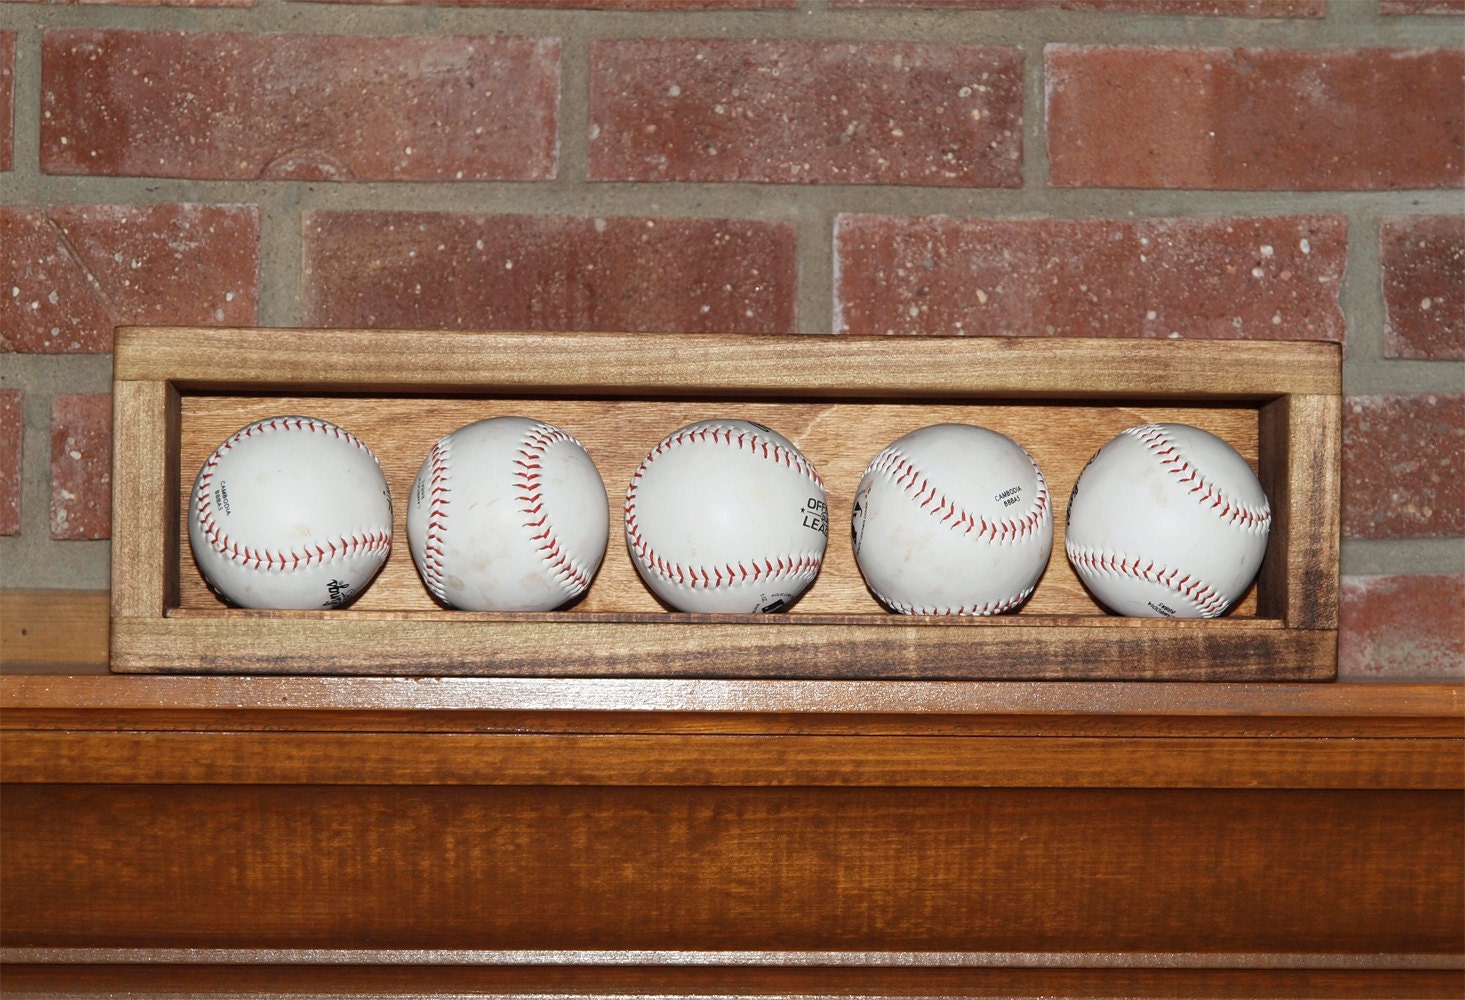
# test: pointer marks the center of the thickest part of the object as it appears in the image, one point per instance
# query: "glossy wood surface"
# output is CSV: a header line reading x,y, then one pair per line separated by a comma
x,y
208,835
708,868
294,979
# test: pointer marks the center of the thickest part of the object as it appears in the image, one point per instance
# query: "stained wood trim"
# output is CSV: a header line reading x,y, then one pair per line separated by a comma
x,y
809,869
709,706
53,627
823,959
1052,647
105,981
776,761
1301,436
809,366
145,426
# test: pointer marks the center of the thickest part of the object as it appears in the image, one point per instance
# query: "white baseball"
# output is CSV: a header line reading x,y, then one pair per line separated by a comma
x,y
508,514
1167,520
952,519
726,516
290,512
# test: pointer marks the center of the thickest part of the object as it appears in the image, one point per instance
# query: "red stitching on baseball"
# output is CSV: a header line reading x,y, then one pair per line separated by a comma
x,y
1206,493
999,607
798,566
288,559
567,571
1210,602
891,462
440,491
905,474
564,569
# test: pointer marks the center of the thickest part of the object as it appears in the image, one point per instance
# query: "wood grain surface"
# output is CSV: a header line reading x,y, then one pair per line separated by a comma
x,y
1302,437
98,973
730,760
50,628
695,364
441,836
696,867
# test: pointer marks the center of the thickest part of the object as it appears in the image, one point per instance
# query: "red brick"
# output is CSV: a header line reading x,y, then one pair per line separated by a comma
x,y
1423,263
428,270
7,99
81,466
12,438
69,274
1255,119
1404,466
298,107
1189,8
1274,278
1422,6
1402,627
805,112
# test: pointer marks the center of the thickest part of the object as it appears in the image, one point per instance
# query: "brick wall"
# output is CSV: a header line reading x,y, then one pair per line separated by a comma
x,y
1108,168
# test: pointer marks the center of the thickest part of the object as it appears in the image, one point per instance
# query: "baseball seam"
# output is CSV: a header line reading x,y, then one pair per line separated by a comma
x,y
569,573
251,557
1189,478
439,489
1117,564
792,566
928,497
988,608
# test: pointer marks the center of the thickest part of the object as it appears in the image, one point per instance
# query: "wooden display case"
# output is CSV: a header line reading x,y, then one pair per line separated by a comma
x,y
179,392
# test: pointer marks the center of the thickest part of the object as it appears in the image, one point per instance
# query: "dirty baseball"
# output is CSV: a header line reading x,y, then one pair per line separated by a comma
x,y
508,514
290,512
952,519
726,516
1167,520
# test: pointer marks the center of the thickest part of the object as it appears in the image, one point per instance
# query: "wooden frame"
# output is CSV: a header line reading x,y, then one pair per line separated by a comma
x,y
179,391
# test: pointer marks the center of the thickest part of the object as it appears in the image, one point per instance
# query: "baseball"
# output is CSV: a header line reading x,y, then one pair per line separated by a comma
x,y
290,512
507,514
952,519
1167,520
726,516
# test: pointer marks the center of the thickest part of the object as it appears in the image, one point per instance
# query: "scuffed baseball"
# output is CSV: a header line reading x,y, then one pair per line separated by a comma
x,y
508,514
726,516
290,512
1167,520
952,519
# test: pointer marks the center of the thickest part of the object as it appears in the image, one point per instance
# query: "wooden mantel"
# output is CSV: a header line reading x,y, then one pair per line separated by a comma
x,y
674,837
